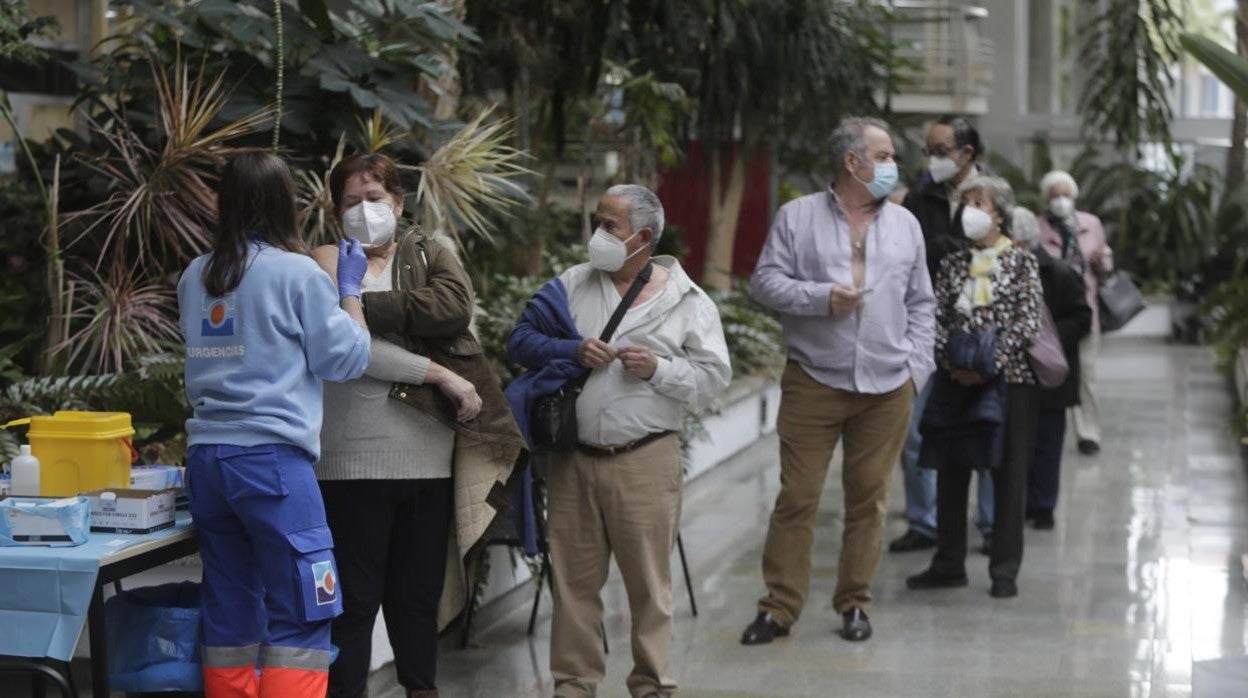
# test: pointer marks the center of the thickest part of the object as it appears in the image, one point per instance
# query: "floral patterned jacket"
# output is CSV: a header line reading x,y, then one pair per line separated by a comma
x,y
1014,311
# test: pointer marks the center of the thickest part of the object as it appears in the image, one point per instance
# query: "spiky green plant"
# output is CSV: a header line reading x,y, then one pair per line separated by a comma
x,y
163,197
471,175
119,319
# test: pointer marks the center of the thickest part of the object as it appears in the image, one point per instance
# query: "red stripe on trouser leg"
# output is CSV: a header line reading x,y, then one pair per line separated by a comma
x,y
278,682
231,682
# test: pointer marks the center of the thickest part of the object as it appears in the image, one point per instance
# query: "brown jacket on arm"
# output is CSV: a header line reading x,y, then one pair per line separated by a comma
x,y
429,312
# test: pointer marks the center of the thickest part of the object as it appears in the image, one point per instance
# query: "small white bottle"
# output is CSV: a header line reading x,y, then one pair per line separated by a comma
x,y
25,474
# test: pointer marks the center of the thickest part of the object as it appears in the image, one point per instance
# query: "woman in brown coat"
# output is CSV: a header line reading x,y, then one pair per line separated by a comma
x,y
416,453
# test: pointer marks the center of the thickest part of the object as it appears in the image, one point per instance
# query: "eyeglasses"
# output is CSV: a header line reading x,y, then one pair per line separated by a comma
x,y
938,152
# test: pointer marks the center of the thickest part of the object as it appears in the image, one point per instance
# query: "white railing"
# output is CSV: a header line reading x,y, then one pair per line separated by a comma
x,y
944,42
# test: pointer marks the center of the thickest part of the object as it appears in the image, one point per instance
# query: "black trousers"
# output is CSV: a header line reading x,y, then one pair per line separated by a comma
x,y
1045,476
390,539
1009,489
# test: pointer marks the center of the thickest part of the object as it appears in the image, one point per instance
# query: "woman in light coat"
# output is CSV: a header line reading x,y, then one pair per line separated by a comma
x,y
1078,238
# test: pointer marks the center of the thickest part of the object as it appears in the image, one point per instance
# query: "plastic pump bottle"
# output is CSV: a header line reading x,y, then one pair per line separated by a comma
x,y
25,474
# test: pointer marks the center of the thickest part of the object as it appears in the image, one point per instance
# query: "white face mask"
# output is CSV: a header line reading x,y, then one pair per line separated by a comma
x,y
1062,206
371,222
976,224
607,252
942,169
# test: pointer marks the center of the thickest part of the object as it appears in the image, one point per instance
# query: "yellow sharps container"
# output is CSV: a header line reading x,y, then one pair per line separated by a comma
x,y
81,451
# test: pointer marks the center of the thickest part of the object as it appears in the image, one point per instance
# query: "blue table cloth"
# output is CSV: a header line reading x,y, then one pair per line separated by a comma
x,y
45,592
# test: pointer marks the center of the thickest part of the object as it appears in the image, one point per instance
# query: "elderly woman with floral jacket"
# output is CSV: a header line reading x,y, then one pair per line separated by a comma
x,y
988,299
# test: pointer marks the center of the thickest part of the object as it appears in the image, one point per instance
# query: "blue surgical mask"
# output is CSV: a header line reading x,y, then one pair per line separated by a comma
x,y
885,180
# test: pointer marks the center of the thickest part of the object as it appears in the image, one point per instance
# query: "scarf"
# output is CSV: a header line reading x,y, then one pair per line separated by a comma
x,y
1072,254
977,290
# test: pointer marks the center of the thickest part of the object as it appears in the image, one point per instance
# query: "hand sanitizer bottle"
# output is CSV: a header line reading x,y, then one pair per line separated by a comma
x,y
25,474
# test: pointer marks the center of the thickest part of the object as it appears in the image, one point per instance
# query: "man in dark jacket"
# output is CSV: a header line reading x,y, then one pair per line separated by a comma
x,y
953,150
1065,297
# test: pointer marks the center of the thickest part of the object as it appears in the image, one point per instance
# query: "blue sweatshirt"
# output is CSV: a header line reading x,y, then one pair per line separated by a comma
x,y
256,357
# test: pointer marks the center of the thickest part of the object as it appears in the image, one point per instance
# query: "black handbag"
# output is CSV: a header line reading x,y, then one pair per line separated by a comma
x,y
1120,301
552,421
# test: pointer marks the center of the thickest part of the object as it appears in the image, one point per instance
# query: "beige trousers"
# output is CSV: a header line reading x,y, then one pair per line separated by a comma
x,y
627,505
1086,416
813,418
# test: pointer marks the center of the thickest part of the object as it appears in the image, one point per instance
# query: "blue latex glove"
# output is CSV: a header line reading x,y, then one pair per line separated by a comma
x,y
351,267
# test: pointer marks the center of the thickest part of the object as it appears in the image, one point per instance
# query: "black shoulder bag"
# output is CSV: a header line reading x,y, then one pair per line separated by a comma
x,y
552,422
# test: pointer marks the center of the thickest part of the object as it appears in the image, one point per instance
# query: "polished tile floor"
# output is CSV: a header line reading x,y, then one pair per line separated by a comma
x,y
1140,590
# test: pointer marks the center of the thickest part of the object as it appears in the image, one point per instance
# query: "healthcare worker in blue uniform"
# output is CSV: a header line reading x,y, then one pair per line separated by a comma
x,y
264,326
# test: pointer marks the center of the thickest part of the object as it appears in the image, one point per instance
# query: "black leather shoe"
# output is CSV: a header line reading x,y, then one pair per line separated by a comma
x,y
1043,521
911,541
763,630
930,579
1004,589
857,626
986,548
1088,447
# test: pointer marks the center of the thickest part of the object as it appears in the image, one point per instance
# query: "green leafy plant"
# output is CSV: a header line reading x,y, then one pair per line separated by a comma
x,y
754,336
1170,214
120,319
473,173
162,201
18,27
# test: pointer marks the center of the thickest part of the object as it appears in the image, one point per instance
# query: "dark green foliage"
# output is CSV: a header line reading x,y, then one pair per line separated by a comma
x,y
1168,215
755,342
1127,55
339,67
18,27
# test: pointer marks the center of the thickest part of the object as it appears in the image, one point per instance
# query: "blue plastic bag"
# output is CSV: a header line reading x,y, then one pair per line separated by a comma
x,y
153,639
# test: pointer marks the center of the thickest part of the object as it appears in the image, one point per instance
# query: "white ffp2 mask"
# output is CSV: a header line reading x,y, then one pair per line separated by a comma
x,y
976,224
370,222
607,252
942,169
1062,206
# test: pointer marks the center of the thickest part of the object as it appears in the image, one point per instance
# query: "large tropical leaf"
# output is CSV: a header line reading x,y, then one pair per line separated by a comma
x,y
1225,64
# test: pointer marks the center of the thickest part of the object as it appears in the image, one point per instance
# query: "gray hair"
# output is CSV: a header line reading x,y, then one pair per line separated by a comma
x,y
851,137
1026,229
999,191
1056,177
644,208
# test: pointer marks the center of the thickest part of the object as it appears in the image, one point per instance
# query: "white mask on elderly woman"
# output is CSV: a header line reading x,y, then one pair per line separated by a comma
x,y
1062,206
976,224
371,222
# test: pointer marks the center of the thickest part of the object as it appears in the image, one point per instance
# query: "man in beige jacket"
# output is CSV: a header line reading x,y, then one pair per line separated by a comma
x,y
619,492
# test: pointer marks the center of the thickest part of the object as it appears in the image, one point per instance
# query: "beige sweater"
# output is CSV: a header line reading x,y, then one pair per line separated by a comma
x,y
368,436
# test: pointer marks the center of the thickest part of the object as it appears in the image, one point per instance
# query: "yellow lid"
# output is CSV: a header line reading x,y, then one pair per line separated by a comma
x,y
82,425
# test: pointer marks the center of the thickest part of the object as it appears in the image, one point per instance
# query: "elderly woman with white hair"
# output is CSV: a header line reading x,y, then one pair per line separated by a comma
x,y
1072,317
982,411
1078,238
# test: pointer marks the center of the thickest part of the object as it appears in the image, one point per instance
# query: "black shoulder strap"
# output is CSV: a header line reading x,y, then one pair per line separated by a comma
x,y
643,278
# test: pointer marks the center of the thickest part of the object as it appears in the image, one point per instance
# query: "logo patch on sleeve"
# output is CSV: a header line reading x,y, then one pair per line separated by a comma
x,y
218,318
326,582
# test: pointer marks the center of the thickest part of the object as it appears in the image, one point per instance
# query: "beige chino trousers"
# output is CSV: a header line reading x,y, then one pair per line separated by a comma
x,y
627,505
813,418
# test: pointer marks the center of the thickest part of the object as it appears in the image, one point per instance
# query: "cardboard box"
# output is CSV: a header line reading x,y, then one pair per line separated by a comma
x,y
131,511
37,521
